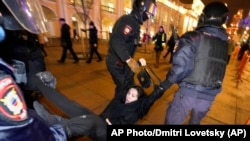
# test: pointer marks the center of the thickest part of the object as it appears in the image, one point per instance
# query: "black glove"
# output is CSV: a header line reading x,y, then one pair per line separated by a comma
x,y
165,85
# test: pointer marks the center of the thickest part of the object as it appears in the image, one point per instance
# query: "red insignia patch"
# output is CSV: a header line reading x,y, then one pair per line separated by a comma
x,y
127,29
12,104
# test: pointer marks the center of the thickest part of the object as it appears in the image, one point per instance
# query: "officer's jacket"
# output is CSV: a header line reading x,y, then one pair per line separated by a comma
x,y
124,39
185,55
33,129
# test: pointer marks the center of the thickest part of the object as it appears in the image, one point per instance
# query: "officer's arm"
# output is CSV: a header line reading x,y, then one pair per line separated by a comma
x,y
121,39
183,60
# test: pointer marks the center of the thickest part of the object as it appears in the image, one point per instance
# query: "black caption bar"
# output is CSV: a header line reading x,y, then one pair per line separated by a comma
x,y
163,132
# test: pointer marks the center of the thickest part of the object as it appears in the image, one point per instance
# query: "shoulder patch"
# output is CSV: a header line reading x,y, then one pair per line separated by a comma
x,y
12,104
195,35
127,29
176,46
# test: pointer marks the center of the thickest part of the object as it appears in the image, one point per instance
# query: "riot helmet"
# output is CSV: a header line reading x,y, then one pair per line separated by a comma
x,y
22,15
15,16
142,8
215,13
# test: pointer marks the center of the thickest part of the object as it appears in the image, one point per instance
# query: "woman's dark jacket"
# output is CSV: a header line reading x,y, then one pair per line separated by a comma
x,y
120,113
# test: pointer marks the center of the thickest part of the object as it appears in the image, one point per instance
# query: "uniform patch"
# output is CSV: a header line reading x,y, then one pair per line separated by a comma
x,y
176,46
12,104
127,29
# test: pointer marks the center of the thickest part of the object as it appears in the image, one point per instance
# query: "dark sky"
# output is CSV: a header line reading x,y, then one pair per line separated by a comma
x,y
234,5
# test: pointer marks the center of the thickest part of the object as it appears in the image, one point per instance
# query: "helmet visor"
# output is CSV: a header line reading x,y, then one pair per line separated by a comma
x,y
152,9
149,7
28,13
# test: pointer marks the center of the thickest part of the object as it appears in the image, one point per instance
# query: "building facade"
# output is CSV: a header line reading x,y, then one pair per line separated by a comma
x,y
104,13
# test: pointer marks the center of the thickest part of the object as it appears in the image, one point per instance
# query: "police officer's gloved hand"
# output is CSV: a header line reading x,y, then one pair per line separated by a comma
x,y
166,85
159,90
133,65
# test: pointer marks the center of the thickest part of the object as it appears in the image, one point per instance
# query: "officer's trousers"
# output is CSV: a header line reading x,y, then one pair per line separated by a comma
x,y
183,104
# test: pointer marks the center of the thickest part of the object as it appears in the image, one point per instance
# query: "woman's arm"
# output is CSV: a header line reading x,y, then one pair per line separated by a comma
x,y
148,101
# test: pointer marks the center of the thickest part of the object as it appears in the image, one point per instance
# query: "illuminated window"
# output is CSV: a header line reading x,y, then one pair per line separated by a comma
x,y
127,6
108,5
165,18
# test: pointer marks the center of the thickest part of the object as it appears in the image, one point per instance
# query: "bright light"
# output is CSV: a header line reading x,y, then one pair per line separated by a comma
x,y
73,19
110,29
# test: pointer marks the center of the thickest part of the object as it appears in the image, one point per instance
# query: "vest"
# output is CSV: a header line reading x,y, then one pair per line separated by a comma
x,y
210,62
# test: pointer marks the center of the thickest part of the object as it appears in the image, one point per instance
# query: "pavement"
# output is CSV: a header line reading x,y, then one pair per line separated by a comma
x,y
91,85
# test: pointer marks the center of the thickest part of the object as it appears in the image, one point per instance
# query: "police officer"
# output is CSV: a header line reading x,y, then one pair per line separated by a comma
x,y
17,121
123,42
199,65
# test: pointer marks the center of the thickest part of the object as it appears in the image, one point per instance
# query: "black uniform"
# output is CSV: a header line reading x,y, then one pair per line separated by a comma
x,y
122,45
66,43
93,42
171,44
199,65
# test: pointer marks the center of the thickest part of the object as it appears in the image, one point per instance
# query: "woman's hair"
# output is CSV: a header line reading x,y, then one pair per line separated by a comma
x,y
140,90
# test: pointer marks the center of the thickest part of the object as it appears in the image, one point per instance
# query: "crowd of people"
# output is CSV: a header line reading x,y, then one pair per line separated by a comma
x,y
198,54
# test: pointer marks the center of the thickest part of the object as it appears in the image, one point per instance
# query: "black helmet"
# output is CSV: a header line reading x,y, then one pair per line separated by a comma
x,y
214,13
91,23
22,15
15,16
141,7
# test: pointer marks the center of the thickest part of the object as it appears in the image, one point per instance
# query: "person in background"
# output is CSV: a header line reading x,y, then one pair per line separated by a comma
x,y
42,39
198,67
159,41
66,42
231,47
171,44
75,35
93,42
146,38
245,46
123,43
